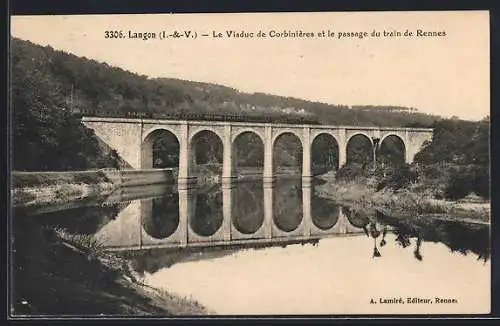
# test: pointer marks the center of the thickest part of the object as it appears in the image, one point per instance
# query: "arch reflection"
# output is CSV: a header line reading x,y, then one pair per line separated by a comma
x,y
248,207
324,213
287,205
207,216
357,218
163,217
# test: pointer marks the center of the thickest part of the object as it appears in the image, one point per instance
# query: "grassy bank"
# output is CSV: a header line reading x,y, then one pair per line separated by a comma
x,y
404,201
57,273
39,188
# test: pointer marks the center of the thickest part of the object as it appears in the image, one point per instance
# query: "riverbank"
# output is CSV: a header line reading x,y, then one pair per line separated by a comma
x,y
56,273
41,188
404,201
30,189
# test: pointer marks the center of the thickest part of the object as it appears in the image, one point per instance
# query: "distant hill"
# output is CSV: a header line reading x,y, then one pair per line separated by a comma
x,y
52,89
83,85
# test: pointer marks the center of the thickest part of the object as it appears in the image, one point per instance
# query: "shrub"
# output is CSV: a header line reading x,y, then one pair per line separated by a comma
x,y
351,172
87,243
459,185
481,182
466,179
396,177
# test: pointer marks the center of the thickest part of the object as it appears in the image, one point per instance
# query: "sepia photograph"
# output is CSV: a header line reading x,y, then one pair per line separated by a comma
x,y
250,164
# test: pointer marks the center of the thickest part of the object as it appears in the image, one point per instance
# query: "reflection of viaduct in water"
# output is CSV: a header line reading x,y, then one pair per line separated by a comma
x,y
238,214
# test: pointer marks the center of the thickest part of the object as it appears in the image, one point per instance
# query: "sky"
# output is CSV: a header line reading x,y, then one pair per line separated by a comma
x,y
444,75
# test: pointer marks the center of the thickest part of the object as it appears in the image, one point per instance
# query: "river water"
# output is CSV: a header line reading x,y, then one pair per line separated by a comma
x,y
259,249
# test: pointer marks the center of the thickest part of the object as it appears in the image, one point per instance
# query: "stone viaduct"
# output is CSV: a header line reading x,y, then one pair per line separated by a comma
x,y
133,140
